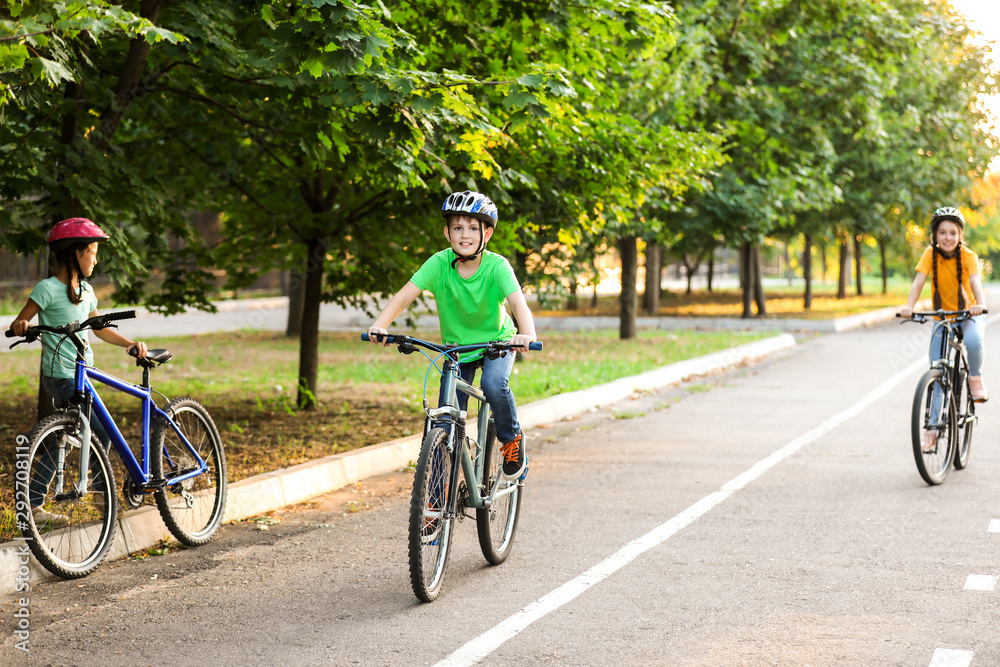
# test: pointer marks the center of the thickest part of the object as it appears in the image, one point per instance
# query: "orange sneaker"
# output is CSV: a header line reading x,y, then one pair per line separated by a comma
x,y
513,456
978,389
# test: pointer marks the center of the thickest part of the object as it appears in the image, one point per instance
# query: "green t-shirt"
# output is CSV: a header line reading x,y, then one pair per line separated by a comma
x,y
56,310
470,309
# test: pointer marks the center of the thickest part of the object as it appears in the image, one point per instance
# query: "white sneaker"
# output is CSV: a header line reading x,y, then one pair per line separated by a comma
x,y
44,519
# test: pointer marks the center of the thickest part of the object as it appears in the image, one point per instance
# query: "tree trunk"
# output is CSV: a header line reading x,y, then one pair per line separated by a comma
x,y
597,279
845,269
822,259
296,298
571,301
857,261
711,268
807,299
746,279
127,89
690,268
885,276
309,340
758,285
651,295
627,297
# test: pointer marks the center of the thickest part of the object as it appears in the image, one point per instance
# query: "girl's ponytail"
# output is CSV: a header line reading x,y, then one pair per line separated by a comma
x,y
67,257
934,280
961,291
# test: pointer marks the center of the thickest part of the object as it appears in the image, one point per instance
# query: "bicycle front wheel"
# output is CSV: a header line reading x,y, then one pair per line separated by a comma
x,y
497,524
934,411
966,420
68,532
430,528
192,508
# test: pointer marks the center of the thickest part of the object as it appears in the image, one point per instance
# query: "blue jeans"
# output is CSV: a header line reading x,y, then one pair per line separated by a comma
x,y
61,390
972,334
494,382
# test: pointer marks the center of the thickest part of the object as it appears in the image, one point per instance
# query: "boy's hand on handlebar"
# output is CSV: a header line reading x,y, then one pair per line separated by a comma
x,y
520,342
379,336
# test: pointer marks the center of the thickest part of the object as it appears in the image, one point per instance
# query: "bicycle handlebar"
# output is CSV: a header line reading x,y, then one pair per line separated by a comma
x,y
97,322
921,316
407,340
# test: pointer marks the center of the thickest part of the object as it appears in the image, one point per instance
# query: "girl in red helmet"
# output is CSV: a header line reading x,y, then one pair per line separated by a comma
x,y
67,297
64,298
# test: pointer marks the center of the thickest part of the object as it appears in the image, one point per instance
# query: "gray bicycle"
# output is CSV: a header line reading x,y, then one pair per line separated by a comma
x,y
440,497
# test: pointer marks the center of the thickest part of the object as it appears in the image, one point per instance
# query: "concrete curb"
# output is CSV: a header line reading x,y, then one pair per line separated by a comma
x,y
143,528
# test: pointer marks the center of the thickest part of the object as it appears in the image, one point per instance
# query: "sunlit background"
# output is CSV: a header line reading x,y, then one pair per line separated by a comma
x,y
984,16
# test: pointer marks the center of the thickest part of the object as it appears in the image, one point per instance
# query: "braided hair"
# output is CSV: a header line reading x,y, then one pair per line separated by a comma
x,y
934,271
66,256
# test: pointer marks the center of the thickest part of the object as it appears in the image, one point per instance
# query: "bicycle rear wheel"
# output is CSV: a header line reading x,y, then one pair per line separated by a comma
x,y
497,524
69,533
934,464
193,508
966,420
430,531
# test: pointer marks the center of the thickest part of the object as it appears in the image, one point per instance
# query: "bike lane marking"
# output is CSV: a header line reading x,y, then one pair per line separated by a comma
x,y
481,646
950,657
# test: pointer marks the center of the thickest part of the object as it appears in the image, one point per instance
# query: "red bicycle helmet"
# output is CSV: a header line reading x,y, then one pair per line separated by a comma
x,y
75,230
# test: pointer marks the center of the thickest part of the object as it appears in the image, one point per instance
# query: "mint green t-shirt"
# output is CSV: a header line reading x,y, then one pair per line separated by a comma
x,y
56,310
470,309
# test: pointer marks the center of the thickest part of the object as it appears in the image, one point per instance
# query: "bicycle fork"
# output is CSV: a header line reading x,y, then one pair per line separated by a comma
x,y
64,447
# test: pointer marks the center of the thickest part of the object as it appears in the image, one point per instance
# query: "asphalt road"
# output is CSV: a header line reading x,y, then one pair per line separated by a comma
x,y
769,516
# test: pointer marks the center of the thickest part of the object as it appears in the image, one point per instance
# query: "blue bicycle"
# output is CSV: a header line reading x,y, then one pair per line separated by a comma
x,y
68,498
439,497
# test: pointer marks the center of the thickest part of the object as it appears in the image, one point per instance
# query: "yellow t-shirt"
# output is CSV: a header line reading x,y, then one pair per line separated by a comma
x,y
947,276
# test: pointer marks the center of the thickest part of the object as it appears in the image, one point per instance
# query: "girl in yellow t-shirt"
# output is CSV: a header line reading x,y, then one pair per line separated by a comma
x,y
951,265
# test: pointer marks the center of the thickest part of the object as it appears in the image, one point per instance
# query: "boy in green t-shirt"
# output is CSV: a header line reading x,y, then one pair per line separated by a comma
x,y
470,284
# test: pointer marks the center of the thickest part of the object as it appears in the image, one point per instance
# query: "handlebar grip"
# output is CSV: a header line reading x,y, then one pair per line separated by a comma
x,y
122,315
390,338
9,334
536,346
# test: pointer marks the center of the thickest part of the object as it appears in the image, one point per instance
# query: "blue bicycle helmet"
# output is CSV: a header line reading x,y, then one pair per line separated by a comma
x,y
472,204
475,205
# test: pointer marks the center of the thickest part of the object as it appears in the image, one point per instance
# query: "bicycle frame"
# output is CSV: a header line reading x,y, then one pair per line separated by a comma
x,y
473,471
86,398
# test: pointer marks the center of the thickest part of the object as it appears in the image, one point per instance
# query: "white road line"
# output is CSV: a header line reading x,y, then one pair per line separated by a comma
x,y
981,582
951,657
480,647
994,526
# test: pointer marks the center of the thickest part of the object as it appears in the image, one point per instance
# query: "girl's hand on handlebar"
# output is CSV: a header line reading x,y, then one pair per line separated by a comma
x,y
19,327
140,349
520,342
976,309
378,335
906,312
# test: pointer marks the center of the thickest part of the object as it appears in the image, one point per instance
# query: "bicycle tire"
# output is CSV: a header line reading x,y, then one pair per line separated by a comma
x,y
497,524
430,530
191,509
934,465
968,420
75,548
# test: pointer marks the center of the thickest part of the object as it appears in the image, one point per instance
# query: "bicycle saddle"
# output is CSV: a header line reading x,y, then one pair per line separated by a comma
x,y
154,358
